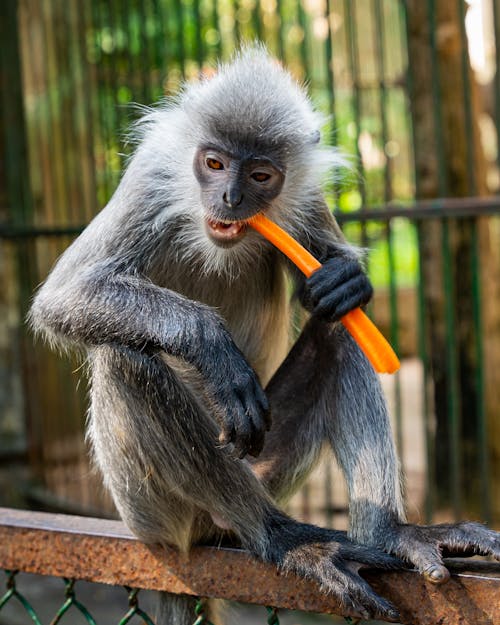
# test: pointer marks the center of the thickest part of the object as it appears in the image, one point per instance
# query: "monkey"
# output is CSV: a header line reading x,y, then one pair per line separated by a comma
x,y
203,420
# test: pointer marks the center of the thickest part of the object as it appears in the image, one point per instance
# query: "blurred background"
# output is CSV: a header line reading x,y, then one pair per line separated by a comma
x,y
412,93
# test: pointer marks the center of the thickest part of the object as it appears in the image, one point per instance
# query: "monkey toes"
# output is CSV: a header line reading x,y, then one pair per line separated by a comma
x,y
424,546
333,561
329,565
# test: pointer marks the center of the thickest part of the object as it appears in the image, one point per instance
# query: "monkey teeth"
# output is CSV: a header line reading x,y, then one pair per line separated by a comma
x,y
225,230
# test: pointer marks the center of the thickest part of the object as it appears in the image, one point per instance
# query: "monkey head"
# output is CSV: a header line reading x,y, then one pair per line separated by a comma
x,y
257,135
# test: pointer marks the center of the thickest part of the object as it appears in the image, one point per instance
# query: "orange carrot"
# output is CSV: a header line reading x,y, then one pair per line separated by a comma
x,y
366,334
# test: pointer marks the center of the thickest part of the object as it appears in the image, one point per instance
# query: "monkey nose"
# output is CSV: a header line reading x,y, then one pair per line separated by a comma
x,y
232,199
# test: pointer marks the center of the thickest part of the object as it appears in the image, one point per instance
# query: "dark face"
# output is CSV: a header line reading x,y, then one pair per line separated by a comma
x,y
234,187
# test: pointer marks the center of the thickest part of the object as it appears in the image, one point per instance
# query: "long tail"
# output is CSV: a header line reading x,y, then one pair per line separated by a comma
x,y
180,609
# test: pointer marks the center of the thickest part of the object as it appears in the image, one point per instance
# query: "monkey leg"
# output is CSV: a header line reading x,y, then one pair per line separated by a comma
x,y
326,388
157,446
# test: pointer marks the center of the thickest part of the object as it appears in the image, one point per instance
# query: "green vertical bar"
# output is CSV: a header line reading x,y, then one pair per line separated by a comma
x,y
104,178
379,34
476,282
332,139
430,447
237,33
469,122
496,78
19,210
15,157
352,44
66,72
436,104
199,48
332,102
452,365
281,42
160,46
84,26
353,64
181,49
257,19
330,76
147,53
451,351
304,53
421,311
52,100
215,23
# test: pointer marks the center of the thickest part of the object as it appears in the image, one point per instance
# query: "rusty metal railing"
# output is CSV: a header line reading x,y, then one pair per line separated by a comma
x,y
97,550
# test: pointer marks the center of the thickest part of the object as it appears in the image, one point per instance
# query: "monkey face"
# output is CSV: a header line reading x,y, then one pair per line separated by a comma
x,y
234,187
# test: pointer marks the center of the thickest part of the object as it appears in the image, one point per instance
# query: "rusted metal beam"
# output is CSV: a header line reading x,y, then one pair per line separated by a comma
x,y
105,551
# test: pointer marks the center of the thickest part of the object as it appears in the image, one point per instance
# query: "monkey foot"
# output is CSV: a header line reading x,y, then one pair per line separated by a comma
x,y
333,561
425,546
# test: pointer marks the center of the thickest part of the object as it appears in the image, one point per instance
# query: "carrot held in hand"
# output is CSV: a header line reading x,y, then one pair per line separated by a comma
x,y
365,333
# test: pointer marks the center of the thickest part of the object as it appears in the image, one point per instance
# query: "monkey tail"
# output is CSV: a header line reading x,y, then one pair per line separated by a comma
x,y
182,610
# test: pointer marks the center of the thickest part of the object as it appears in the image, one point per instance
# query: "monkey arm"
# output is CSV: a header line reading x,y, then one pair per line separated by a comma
x,y
98,306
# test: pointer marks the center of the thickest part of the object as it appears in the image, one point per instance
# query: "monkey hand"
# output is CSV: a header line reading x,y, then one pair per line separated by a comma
x,y
425,546
337,287
240,404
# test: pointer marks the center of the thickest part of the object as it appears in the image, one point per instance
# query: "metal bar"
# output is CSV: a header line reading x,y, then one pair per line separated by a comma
x,y
354,70
449,279
422,330
496,78
281,42
426,209
198,38
84,26
303,21
481,431
256,19
423,350
180,22
482,423
104,551
215,24
379,30
331,87
452,364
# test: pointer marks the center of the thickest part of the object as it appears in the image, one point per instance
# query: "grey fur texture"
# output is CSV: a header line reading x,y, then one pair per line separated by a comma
x,y
181,332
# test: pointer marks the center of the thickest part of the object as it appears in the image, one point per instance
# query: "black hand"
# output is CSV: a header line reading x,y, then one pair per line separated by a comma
x,y
242,407
335,289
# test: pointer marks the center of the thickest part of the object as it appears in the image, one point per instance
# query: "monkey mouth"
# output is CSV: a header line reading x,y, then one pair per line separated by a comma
x,y
225,231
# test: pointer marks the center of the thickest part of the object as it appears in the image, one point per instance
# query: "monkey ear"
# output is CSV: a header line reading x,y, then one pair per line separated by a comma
x,y
315,136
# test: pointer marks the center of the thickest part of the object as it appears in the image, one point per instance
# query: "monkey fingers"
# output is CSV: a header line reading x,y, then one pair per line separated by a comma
x,y
424,545
240,405
243,430
245,416
335,289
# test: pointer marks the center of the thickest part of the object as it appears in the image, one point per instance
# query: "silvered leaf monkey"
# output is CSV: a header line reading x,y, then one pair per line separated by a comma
x,y
183,311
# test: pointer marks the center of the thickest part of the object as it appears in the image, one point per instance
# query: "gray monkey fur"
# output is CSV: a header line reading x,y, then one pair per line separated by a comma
x,y
175,326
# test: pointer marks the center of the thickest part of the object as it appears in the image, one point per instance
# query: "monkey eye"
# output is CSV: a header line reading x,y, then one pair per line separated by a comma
x,y
260,176
213,163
